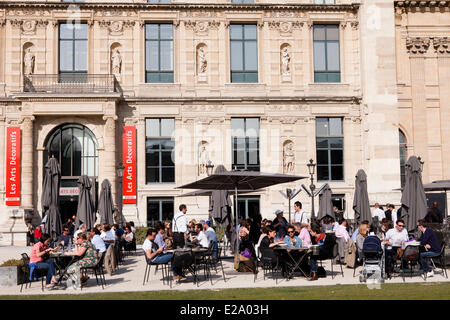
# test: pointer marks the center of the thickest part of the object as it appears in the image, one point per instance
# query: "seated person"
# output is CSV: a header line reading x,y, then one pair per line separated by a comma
x,y
201,238
65,237
159,239
118,231
108,237
327,224
431,244
326,243
247,255
341,230
291,240
96,240
128,236
363,231
303,234
211,235
155,254
355,233
394,240
39,256
268,240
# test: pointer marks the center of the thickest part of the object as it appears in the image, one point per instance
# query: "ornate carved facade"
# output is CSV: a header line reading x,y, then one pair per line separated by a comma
x,y
202,99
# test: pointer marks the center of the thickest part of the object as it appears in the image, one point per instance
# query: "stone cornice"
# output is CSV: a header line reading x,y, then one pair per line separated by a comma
x,y
412,6
419,46
181,6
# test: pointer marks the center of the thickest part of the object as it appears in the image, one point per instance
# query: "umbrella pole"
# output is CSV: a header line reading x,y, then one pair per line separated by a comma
x,y
235,223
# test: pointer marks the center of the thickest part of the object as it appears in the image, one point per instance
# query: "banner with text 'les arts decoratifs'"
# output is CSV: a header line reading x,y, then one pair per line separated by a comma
x,y
129,162
13,148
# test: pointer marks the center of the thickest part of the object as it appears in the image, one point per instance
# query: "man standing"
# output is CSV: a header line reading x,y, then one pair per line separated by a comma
x,y
431,244
391,214
179,227
377,212
300,216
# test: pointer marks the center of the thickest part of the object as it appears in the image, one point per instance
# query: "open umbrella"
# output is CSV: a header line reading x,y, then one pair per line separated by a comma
x,y
106,206
325,204
414,202
50,199
240,180
85,210
361,204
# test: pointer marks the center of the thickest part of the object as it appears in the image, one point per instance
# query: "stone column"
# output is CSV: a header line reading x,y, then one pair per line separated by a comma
x,y
27,162
109,163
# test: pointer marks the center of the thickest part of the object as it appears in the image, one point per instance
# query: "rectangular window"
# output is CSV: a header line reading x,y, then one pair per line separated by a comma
x,y
244,53
245,140
159,53
73,46
159,150
248,207
326,53
159,209
329,149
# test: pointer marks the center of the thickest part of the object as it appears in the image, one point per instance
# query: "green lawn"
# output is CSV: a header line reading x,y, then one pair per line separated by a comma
x,y
409,291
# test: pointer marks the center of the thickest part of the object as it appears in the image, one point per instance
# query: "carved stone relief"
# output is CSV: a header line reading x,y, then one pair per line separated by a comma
x,y
288,157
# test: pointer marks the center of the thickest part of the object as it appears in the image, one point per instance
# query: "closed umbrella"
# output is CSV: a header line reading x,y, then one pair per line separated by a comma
x,y
220,203
361,204
85,210
106,206
325,204
50,199
414,203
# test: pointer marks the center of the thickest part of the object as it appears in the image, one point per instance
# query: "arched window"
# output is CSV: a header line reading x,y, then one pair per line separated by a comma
x,y
403,155
75,148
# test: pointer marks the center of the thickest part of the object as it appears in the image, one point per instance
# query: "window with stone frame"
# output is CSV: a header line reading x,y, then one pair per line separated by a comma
x,y
159,53
326,53
403,154
329,149
244,53
159,209
245,143
159,150
73,52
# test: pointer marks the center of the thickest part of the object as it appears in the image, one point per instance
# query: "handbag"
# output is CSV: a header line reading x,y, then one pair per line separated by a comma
x,y
246,253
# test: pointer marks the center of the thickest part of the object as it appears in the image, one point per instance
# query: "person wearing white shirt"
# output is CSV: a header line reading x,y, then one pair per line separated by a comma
x,y
394,238
341,230
96,240
300,215
180,227
108,237
201,237
377,212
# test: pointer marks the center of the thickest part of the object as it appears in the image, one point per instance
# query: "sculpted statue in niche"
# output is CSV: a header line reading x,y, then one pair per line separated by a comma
x,y
28,62
285,61
203,158
202,62
288,158
116,62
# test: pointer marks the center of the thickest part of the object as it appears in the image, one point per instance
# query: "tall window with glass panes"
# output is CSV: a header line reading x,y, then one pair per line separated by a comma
x,y
245,143
159,53
244,53
326,53
73,47
329,149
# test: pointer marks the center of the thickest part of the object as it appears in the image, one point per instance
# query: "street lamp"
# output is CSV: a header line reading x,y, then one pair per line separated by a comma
x,y
120,170
209,168
311,168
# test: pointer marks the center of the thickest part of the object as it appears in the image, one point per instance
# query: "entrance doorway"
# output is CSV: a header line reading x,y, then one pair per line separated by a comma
x,y
75,148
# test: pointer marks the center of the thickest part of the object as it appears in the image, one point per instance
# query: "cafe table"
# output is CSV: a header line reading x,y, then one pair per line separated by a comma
x,y
62,263
295,259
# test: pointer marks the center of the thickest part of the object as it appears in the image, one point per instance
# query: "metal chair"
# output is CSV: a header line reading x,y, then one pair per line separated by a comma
x,y
441,260
38,272
149,264
97,269
269,262
334,256
410,256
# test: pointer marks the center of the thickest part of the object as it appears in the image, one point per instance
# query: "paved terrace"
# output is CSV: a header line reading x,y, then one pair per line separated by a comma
x,y
130,275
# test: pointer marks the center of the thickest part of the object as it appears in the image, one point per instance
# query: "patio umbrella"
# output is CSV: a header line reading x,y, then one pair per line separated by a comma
x,y
325,204
240,180
220,203
361,204
106,206
50,199
85,210
413,196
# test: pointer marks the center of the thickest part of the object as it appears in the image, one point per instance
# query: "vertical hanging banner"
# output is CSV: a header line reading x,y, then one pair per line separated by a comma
x,y
13,166
129,162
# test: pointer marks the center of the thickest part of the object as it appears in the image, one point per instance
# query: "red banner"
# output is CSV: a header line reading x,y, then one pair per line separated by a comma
x,y
129,162
12,166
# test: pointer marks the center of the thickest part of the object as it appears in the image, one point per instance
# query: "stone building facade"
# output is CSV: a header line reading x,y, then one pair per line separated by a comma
x,y
313,81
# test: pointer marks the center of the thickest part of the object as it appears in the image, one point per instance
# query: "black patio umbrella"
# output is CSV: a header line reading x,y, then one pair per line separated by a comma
x,y
50,199
414,202
361,204
106,205
240,180
325,204
85,210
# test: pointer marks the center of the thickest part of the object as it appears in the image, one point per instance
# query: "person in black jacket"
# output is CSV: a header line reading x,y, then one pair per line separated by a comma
x,y
432,216
326,243
431,244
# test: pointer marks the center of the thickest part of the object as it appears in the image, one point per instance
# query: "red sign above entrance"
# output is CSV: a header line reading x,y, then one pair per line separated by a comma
x,y
129,162
13,166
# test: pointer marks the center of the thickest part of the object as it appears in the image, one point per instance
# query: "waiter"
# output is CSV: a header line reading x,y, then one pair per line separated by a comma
x,y
179,227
